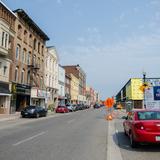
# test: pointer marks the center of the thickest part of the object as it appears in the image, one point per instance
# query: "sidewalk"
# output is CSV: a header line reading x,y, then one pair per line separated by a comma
x,y
7,117
17,115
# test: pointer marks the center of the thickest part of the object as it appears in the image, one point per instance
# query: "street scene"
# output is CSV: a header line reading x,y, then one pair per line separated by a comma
x,y
79,80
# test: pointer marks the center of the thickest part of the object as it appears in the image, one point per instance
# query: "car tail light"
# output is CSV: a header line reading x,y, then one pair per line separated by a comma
x,y
139,125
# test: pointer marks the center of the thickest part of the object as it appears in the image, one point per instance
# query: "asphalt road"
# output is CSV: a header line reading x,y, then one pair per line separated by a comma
x,y
143,152
75,136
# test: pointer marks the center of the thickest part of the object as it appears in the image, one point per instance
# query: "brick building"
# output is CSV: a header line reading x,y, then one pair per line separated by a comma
x,y
78,72
7,33
27,69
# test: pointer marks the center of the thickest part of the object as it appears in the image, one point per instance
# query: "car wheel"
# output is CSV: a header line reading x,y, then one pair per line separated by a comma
x,y
132,141
37,115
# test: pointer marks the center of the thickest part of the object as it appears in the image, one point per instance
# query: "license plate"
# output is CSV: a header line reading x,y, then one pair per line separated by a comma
x,y
25,113
157,138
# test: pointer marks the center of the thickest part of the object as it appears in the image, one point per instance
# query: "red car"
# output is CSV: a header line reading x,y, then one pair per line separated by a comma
x,y
62,109
142,126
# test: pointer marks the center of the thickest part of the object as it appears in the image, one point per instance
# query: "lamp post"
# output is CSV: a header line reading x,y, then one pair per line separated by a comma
x,y
144,81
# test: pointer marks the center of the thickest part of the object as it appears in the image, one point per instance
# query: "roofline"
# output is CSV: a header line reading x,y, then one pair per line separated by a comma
x,y
25,15
8,9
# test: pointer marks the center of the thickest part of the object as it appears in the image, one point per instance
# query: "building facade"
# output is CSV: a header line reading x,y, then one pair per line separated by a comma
x,y
61,85
68,88
78,72
27,69
51,77
7,33
131,94
74,89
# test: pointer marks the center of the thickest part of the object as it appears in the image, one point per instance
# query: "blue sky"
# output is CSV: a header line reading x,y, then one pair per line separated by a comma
x,y
113,40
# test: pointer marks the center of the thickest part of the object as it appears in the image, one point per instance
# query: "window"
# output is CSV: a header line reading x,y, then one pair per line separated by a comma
x,y
39,47
3,35
34,60
30,40
6,41
29,58
28,77
18,51
19,33
25,36
23,55
34,44
4,70
42,50
22,76
16,74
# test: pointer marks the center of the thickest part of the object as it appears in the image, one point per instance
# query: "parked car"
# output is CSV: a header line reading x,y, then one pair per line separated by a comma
x,y
62,109
34,111
96,106
142,126
70,107
79,107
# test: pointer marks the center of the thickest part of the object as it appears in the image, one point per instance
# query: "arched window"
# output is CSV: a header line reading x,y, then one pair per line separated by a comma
x,y
34,44
28,77
18,50
23,55
29,58
16,74
30,40
25,36
42,50
34,60
19,33
22,76
39,47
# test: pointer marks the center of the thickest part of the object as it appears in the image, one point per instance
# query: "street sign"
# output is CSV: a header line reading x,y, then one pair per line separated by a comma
x,y
109,102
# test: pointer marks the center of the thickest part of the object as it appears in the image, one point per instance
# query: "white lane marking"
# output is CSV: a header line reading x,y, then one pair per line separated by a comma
x,y
71,121
30,138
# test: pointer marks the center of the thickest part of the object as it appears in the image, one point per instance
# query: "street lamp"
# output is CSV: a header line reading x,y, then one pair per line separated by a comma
x,y
144,81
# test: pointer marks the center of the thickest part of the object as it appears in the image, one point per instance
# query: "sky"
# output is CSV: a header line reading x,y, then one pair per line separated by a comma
x,y
112,40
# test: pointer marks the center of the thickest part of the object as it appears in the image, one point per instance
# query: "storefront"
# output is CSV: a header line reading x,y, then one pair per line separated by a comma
x,y
38,97
20,97
5,97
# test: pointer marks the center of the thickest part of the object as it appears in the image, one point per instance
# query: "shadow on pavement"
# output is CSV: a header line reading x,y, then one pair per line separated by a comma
x,y
124,143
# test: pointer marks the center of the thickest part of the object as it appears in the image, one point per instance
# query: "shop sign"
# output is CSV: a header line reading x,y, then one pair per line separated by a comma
x,y
22,89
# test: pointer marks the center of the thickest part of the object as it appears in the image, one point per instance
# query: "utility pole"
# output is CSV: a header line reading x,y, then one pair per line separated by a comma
x,y
144,83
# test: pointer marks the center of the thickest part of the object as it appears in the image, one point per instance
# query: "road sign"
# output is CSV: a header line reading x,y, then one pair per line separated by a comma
x,y
109,102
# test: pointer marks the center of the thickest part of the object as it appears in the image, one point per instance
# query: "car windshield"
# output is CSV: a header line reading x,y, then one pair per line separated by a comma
x,y
149,115
30,107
